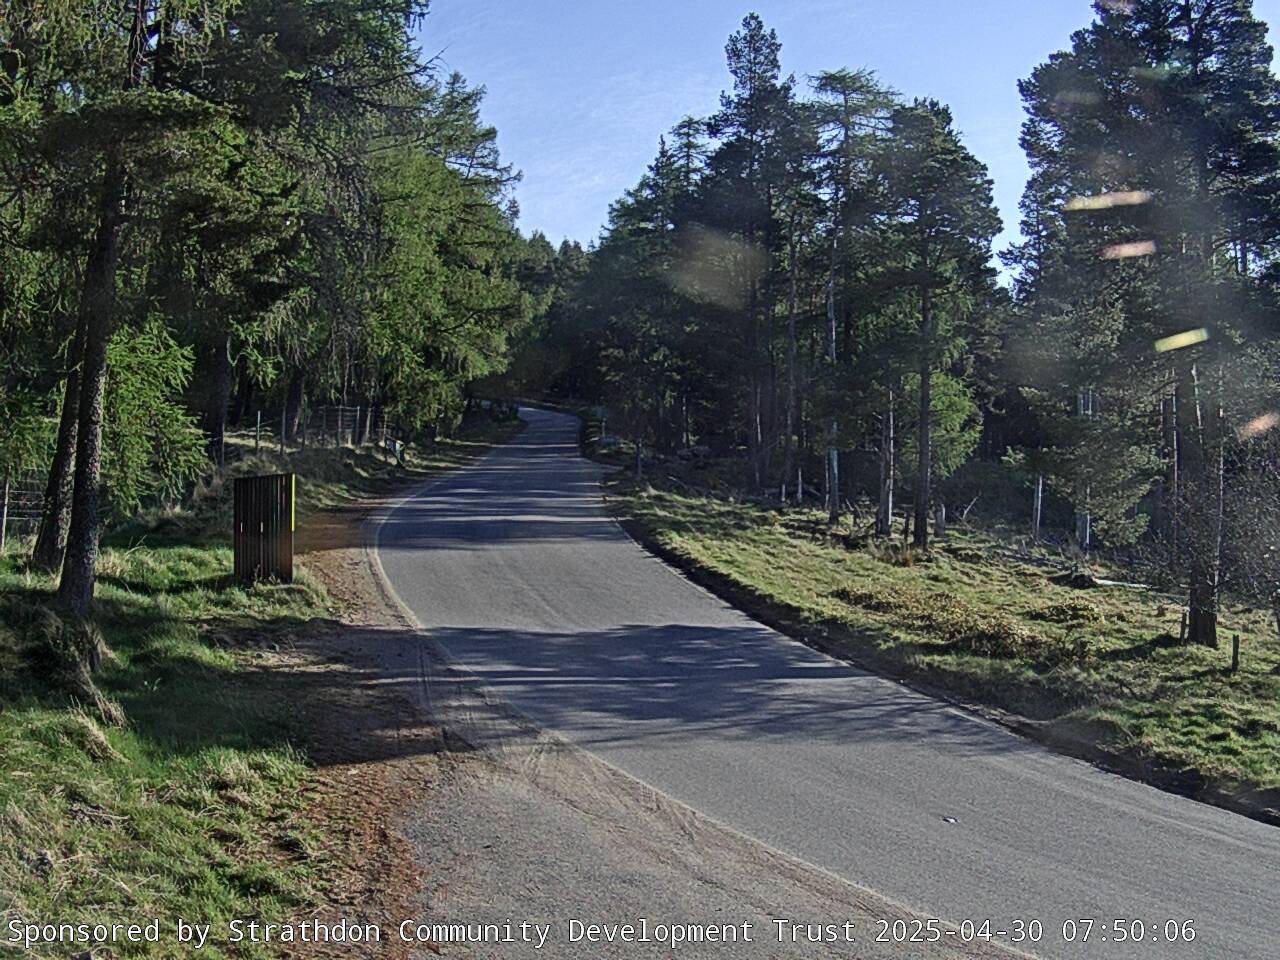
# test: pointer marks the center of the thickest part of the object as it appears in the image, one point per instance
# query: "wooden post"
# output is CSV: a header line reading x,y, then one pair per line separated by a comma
x,y
257,434
1235,653
4,512
1037,509
282,416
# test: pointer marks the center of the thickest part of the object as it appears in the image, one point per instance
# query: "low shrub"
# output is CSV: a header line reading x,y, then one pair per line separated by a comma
x,y
1067,611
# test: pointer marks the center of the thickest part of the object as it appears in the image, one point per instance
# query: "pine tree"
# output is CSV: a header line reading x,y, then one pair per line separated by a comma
x,y
941,225
1153,143
741,192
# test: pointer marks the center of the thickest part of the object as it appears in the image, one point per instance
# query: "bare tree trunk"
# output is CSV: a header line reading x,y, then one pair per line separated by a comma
x,y
833,427
1177,495
1203,532
293,402
97,309
1037,509
924,461
1086,407
754,437
788,434
4,513
884,510
55,512
243,394
217,396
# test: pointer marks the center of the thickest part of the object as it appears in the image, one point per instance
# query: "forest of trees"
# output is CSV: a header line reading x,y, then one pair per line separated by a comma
x,y
207,205
806,279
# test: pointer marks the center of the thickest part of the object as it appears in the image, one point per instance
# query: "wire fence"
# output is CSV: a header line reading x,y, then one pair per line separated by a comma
x,y
333,425
21,500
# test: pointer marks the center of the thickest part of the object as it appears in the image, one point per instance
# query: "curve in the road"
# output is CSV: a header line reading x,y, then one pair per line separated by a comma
x,y
515,567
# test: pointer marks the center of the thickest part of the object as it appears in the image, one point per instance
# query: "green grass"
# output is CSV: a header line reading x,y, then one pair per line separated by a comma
x,y
191,809
997,626
196,806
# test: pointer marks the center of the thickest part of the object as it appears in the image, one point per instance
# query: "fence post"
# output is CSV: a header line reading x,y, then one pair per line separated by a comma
x,y
257,434
355,428
283,414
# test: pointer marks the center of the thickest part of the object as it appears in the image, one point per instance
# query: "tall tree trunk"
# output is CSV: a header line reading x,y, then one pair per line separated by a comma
x,y
1086,408
55,512
4,512
1037,508
1202,480
97,309
293,402
884,510
754,439
833,427
1178,481
924,437
1172,493
242,395
217,396
789,427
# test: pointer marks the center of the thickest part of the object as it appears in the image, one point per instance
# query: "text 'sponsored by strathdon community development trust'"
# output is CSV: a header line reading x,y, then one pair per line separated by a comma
x,y
641,930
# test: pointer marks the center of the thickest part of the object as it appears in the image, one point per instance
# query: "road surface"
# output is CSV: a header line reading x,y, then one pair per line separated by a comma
x,y
515,568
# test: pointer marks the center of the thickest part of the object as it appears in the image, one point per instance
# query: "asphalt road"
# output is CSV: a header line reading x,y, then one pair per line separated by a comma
x,y
514,566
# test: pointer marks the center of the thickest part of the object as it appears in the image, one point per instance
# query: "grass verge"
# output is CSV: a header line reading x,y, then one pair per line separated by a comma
x,y
1099,672
183,786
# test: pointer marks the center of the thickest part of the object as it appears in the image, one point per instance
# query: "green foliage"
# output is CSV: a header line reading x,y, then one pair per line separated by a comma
x,y
956,425
257,203
155,449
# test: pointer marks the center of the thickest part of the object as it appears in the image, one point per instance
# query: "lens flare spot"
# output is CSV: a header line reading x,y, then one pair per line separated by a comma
x,y
1105,201
1259,425
1180,341
1126,251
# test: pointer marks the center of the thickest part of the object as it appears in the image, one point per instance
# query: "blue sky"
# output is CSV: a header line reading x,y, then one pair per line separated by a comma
x,y
580,90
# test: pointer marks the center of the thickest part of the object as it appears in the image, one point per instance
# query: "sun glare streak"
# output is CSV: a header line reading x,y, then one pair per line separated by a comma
x,y
1180,341
1125,251
1259,425
1105,201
